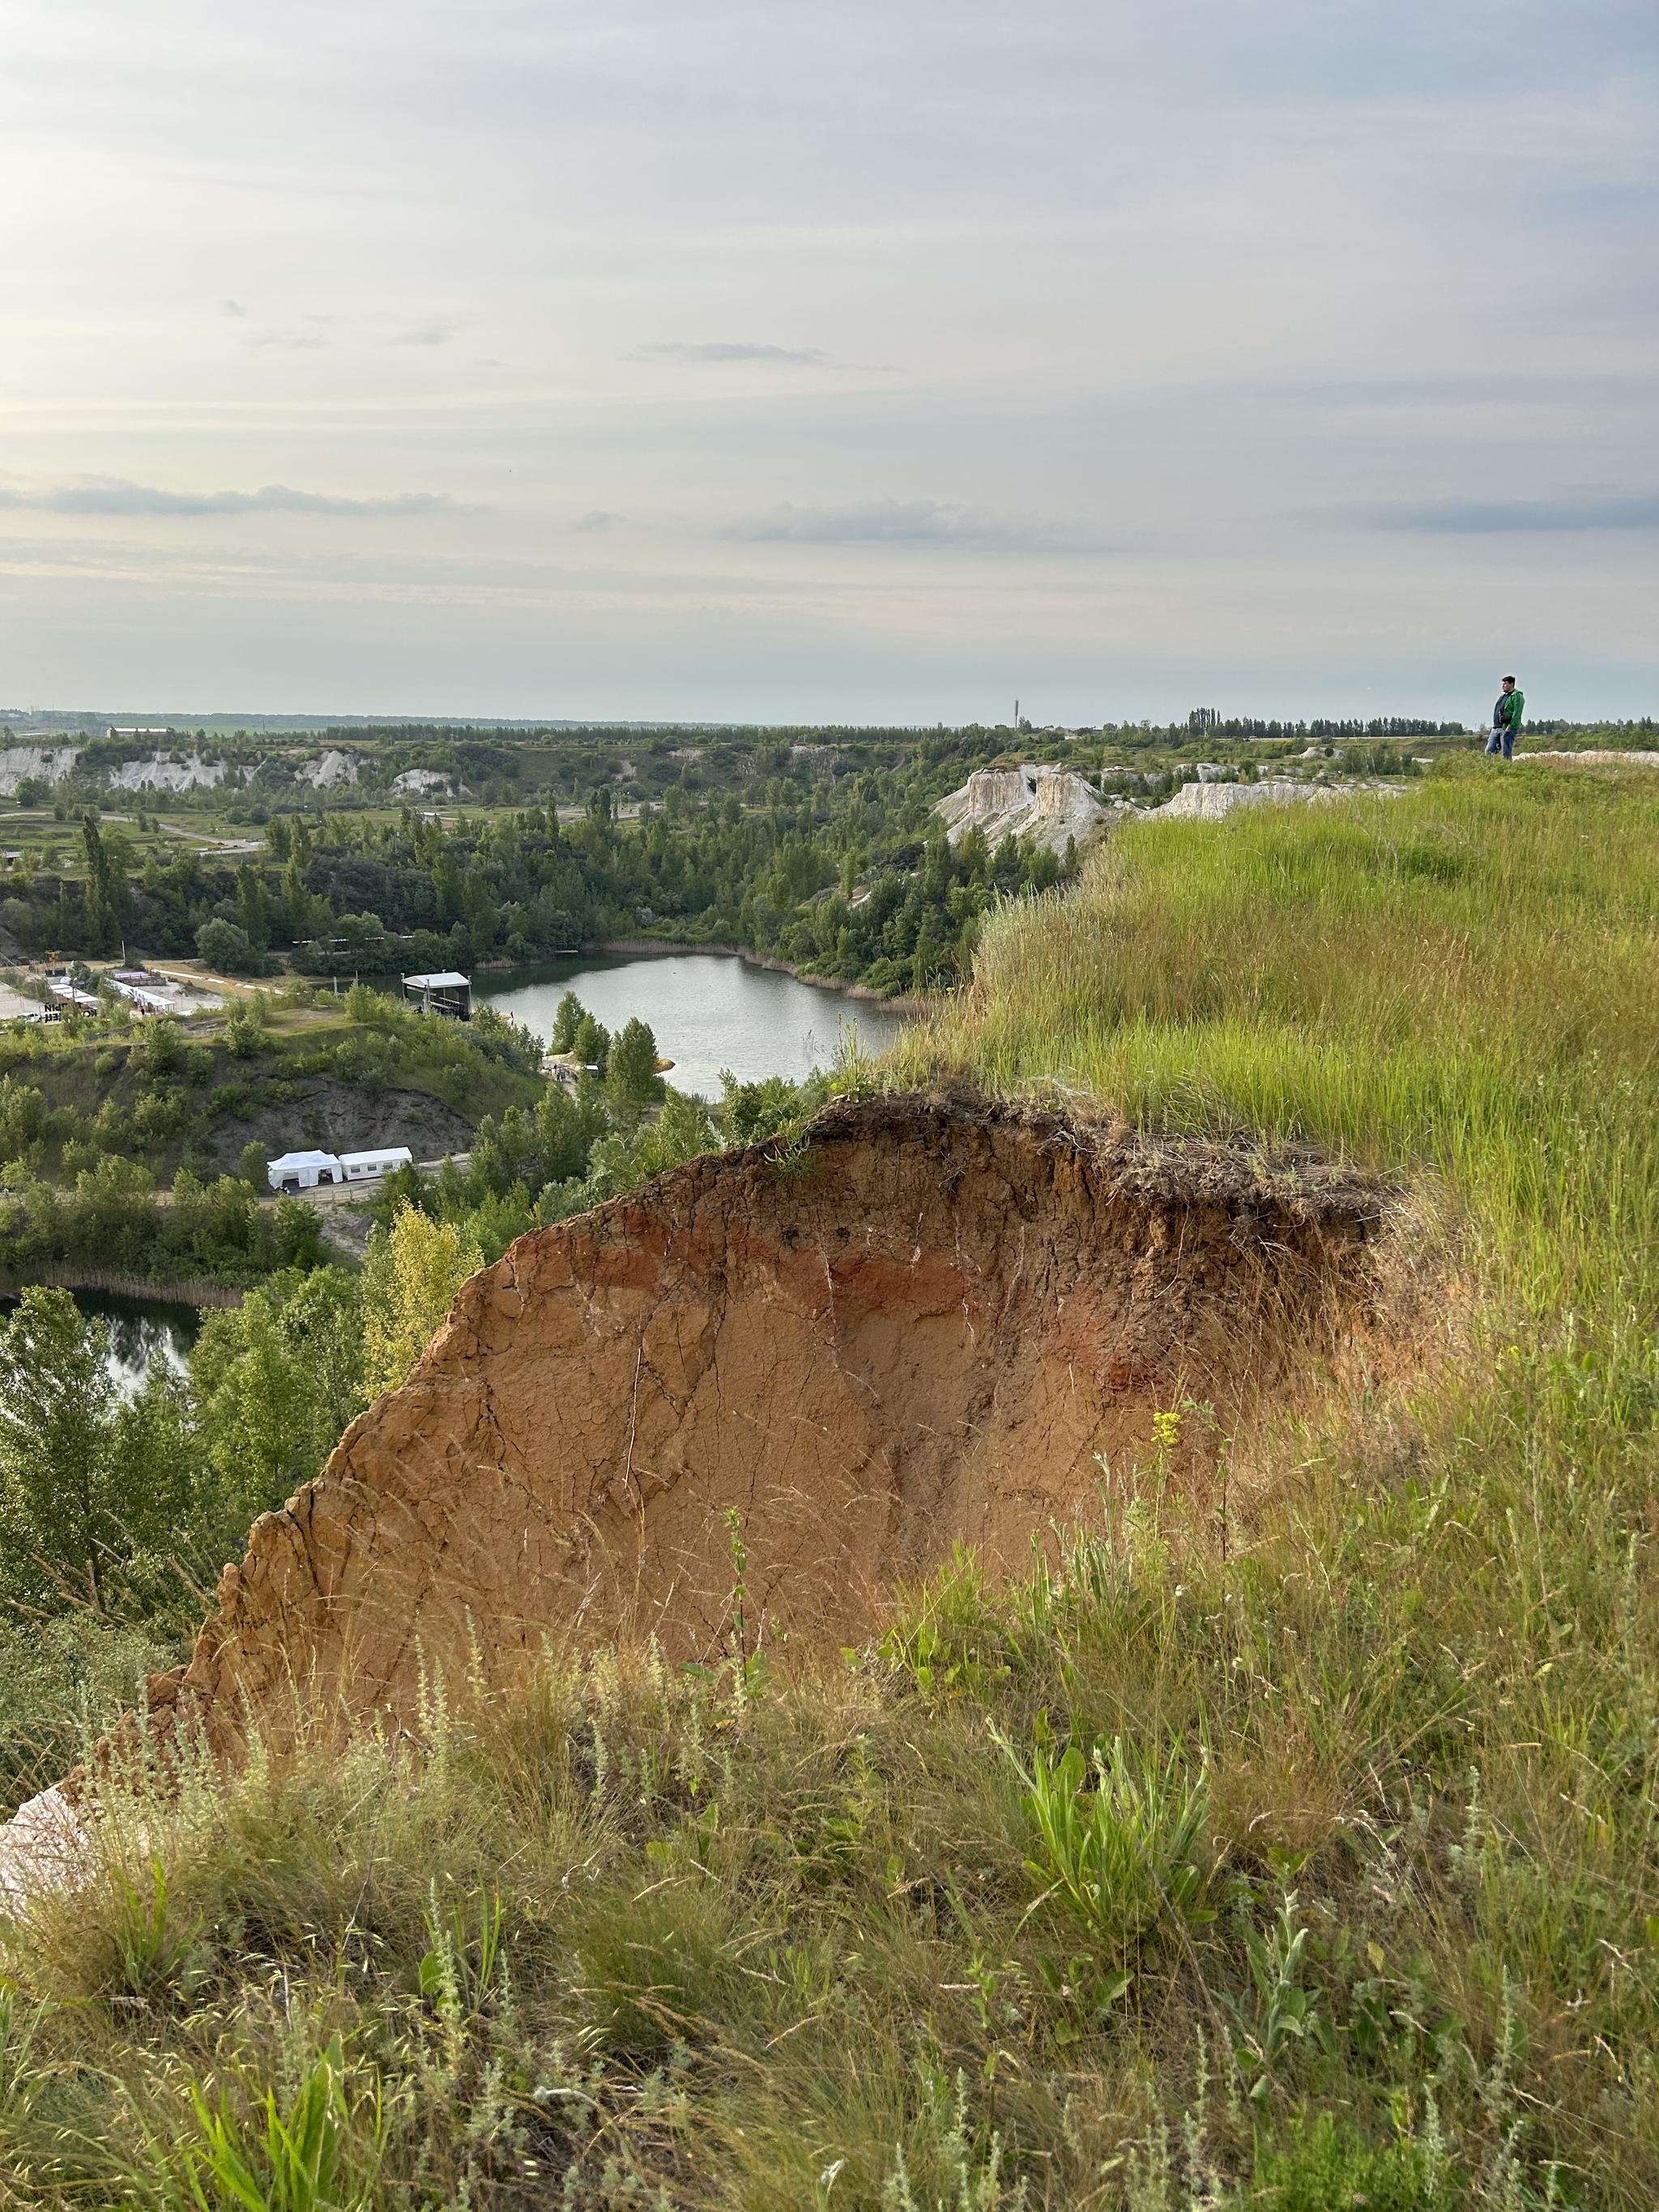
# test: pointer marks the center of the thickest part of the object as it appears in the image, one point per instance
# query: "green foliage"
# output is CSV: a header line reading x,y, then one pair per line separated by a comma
x,y
153,1056
225,946
273,1384
592,1043
631,1080
412,1274
1322,2166
22,1117
86,1482
244,1033
296,2163
949,1635
64,1673
1120,1840
1284,2011
617,1162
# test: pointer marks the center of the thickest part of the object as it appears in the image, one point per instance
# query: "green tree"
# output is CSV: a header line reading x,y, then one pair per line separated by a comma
x,y
85,1481
153,1059
224,945
565,1023
411,1273
99,921
302,915
273,1384
251,1166
592,1043
245,1032
631,1079
256,914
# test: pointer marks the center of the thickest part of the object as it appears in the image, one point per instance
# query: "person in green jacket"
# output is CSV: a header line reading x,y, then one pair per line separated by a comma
x,y
1506,719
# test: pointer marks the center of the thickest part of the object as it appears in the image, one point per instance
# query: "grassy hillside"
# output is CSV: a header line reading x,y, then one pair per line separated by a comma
x,y
100,1114
1306,1862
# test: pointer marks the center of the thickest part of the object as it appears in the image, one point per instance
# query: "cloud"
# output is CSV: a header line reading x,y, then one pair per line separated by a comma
x,y
806,356
1490,517
231,308
597,520
291,341
920,522
114,496
425,334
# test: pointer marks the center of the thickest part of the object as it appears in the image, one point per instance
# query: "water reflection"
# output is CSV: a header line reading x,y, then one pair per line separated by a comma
x,y
139,1328
707,1010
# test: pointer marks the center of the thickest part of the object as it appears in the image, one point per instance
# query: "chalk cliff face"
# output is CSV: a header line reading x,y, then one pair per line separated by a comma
x,y
929,1330
1047,804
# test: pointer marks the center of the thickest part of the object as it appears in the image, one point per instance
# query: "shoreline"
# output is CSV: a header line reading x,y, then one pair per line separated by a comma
x,y
908,1008
187,1291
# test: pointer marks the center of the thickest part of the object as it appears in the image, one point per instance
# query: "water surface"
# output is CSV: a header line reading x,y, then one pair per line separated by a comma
x,y
708,1011
139,1328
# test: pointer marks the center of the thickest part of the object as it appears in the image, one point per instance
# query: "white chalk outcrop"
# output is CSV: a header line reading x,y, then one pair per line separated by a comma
x,y
1213,802
46,762
1047,804
328,770
42,1847
160,774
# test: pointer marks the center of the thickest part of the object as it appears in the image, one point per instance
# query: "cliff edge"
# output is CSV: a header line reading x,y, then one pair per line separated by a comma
x,y
931,1327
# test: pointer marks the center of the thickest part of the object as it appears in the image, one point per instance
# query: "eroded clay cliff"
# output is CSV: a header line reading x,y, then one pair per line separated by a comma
x,y
928,1329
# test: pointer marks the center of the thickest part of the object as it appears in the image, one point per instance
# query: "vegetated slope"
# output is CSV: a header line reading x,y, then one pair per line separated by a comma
x,y
1319,1867
942,1323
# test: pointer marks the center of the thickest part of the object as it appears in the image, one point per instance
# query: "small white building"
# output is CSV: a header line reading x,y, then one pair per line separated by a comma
x,y
304,1171
446,993
366,1167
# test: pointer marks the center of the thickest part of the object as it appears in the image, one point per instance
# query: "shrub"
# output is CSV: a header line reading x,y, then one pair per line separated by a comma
x,y
225,946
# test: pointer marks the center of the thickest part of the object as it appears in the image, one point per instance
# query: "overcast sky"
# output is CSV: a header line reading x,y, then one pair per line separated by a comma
x,y
850,361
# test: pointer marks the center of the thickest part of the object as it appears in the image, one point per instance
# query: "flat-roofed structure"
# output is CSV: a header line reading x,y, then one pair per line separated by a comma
x,y
366,1167
446,993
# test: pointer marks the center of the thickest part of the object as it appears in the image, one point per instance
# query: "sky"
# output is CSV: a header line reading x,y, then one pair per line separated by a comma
x,y
854,363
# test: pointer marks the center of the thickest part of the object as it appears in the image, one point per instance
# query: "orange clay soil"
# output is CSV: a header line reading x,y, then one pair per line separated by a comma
x,y
932,1329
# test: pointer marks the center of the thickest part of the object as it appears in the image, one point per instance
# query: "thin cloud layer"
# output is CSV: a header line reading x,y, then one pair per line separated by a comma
x,y
1484,517
1362,397
114,496
912,522
726,349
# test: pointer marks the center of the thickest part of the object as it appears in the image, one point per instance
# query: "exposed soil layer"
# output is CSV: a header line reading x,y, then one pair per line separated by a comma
x,y
931,1329
339,1117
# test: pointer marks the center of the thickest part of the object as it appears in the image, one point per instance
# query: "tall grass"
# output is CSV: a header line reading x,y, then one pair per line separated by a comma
x,y
1463,978
1316,1872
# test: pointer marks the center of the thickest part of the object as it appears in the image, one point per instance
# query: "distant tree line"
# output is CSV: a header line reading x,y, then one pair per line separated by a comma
x,y
847,875
1204,722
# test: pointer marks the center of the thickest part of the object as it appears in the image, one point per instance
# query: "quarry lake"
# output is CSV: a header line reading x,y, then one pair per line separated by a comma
x,y
707,1010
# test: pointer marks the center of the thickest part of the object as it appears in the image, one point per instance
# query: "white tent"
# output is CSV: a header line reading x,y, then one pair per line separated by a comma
x,y
303,1170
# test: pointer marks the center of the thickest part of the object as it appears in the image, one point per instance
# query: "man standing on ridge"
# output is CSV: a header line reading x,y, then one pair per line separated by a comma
x,y
1506,719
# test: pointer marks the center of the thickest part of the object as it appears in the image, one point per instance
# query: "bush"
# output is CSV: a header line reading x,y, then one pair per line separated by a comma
x,y
244,1034
225,946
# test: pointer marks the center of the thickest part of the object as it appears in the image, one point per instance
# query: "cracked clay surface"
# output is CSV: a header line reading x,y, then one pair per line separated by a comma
x,y
929,1336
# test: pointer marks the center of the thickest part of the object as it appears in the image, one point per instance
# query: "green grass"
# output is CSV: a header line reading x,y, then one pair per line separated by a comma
x,y
1320,1873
